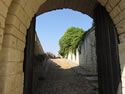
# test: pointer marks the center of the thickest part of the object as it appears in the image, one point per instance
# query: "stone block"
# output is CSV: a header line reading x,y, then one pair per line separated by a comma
x,y
103,2
116,20
28,10
119,17
115,11
3,9
20,13
22,56
10,29
19,67
38,3
2,22
19,90
11,68
2,69
13,20
20,45
120,30
23,29
19,79
8,2
108,7
122,15
121,26
21,2
9,41
113,2
122,38
10,84
0,46
1,35
10,55
28,23
122,4
2,82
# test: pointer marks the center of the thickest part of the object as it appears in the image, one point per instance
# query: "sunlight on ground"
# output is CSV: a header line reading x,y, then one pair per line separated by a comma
x,y
62,64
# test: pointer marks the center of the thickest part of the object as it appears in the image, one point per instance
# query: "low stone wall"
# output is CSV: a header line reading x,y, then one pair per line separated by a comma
x,y
39,65
86,53
38,47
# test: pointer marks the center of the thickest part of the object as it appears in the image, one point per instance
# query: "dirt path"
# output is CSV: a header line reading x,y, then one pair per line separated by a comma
x,y
61,79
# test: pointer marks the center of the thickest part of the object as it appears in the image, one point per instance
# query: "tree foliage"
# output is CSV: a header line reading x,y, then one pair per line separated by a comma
x,y
50,55
70,40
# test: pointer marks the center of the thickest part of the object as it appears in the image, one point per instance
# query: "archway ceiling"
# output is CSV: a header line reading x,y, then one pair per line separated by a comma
x,y
84,6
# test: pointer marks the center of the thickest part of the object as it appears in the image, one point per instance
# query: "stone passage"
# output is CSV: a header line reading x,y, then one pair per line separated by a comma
x,y
62,79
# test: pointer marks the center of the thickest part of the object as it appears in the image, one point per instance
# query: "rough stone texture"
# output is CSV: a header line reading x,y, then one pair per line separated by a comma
x,y
80,5
15,17
86,53
38,46
62,79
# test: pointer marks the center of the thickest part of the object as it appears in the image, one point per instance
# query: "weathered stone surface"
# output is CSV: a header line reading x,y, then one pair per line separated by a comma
x,y
1,35
7,2
3,9
13,20
11,55
108,7
122,4
2,22
103,2
113,2
115,12
9,41
121,26
10,84
86,53
13,31
18,17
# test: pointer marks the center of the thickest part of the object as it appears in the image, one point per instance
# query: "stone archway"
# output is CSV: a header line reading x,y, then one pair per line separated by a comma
x,y
15,17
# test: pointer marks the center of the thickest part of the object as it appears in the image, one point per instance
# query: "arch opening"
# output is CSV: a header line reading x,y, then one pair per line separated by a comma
x,y
18,20
114,84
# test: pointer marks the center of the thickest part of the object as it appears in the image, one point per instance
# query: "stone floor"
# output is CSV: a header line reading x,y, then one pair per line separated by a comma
x,y
62,79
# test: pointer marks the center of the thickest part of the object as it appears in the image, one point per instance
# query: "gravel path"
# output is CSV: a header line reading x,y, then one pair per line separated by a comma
x,y
61,79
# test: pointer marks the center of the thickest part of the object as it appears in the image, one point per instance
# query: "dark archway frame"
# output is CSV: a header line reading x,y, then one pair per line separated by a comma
x,y
108,64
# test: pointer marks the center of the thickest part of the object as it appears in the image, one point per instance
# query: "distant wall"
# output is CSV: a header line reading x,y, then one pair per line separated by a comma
x,y
86,53
38,47
73,57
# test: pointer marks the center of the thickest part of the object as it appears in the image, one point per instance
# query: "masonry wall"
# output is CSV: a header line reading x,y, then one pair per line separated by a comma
x,y
86,53
15,17
38,47
74,58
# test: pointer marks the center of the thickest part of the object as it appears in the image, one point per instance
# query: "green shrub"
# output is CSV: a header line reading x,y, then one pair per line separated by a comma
x,y
70,41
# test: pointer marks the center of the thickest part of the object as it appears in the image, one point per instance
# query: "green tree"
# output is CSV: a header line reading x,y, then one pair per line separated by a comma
x,y
70,40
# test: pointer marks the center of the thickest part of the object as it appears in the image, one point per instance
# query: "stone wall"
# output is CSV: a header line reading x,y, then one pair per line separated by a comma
x,y
15,17
86,53
73,57
87,57
38,47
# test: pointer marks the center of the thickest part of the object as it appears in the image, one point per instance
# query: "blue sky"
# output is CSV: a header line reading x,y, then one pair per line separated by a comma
x,y
52,25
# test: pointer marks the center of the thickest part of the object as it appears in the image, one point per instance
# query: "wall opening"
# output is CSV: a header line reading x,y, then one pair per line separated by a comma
x,y
109,68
